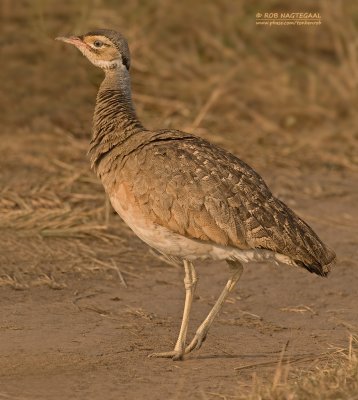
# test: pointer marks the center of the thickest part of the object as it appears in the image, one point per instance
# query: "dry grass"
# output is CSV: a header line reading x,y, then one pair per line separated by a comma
x,y
331,376
335,378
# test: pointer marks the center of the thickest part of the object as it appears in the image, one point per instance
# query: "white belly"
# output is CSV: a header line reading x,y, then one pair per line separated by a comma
x,y
176,245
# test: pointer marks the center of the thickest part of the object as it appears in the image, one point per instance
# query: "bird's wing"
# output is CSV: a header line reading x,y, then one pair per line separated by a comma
x,y
204,192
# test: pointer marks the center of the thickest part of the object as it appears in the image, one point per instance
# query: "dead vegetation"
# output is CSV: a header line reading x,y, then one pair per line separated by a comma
x,y
332,376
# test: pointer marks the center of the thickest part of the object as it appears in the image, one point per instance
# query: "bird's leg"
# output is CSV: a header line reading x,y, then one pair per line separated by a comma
x,y
236,270
190,281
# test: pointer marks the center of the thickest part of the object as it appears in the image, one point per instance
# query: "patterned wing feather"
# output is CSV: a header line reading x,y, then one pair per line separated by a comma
x,y
204,192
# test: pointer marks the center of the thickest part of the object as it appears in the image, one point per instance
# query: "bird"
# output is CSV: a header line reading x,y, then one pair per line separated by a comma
x,y
184,196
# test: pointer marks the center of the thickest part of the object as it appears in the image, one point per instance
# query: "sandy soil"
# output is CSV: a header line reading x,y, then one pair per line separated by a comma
x,y
83,301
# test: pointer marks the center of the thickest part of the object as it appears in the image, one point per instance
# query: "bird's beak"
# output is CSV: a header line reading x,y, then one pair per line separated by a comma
x,y
75,40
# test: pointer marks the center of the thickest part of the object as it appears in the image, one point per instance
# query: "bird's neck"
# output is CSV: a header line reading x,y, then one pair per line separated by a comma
x,y
115,119
114,107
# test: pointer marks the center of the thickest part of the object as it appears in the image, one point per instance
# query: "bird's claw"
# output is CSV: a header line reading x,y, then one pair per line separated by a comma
x,y
174,355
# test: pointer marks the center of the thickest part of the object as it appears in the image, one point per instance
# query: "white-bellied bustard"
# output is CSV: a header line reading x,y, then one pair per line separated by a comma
x,y
184,196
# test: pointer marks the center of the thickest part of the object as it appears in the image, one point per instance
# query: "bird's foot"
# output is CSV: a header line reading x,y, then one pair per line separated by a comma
x,y
175,355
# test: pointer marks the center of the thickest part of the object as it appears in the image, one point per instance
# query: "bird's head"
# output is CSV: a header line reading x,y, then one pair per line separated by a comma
x,y
105,48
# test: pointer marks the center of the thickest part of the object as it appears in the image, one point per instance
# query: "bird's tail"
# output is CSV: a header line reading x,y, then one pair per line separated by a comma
x,y
295,242
311,253
322,267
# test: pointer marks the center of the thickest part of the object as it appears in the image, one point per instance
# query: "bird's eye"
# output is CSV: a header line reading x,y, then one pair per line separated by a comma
x,y
98,43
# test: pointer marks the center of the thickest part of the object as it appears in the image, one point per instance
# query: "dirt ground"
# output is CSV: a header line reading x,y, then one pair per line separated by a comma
x,y
83,301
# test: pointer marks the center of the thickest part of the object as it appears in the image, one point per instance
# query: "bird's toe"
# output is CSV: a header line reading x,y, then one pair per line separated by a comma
x,y
197,342
175,355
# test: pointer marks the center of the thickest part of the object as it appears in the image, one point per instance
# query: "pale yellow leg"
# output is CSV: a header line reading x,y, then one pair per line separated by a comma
x,y
190,281
236,270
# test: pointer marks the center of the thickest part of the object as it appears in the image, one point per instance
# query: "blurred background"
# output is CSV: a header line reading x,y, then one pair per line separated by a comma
x,y
284,99
288,93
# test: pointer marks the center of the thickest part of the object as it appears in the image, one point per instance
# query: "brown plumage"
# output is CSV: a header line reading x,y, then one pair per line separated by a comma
x,y
183,195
